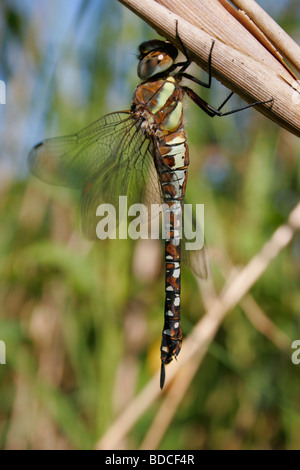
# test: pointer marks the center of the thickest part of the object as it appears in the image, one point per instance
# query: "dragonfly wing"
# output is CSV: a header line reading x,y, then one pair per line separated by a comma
x,y
131,172
194,250
110,158
72,160
128,164
197,260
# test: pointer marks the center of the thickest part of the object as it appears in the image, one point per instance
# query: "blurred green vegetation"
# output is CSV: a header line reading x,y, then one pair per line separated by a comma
x,y
81,321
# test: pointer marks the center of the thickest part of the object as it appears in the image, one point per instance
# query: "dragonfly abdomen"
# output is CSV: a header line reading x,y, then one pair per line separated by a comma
x,y
173,176
173,150
159,104
172,334
173,185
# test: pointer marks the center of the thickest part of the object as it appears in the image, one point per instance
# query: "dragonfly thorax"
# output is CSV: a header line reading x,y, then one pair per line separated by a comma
x,y
156,57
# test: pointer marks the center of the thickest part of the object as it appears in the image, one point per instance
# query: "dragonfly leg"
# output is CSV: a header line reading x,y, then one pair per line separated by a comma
x,y
211,111
199,101
185,65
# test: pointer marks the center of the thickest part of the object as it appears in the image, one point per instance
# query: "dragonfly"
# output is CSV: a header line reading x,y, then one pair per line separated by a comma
x,y
142,153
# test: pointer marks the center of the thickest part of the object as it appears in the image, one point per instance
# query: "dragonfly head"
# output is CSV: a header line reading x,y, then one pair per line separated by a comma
x,y
155,57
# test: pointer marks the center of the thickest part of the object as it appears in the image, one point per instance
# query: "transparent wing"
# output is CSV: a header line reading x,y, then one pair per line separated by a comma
x,y
110,158
73,160
197,260
194,250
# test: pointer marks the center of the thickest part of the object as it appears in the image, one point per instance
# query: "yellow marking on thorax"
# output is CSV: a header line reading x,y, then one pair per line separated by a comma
x,y
172,122
163,95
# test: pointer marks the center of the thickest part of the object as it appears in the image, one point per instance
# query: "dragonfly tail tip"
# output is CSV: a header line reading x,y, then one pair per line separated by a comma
x,y
162,375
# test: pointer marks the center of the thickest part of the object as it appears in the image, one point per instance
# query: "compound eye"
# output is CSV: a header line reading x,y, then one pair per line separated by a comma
x,y
154,63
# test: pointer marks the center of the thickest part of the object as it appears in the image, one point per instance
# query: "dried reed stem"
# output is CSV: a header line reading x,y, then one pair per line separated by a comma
x,y
279,38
